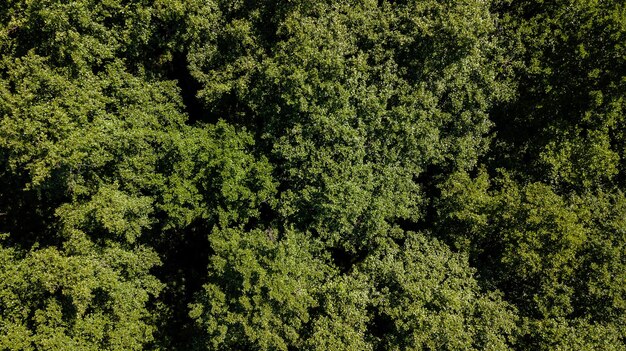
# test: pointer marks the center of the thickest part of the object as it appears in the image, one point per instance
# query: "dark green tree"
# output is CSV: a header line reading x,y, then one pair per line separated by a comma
x,y
352,102
556,258
315,175
566,127
267,291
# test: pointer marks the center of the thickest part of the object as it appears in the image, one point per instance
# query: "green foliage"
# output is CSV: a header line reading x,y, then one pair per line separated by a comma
x,y
312,175
343,318
266,293
79,298
261,288
426,297
547,252
108,155
567,124
350,101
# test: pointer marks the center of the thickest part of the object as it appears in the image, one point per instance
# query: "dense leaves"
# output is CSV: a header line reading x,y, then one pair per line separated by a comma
x,y
79,298
312,175
353,102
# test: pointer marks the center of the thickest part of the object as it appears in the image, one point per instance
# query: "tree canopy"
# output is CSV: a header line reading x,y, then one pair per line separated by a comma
x,y
312,175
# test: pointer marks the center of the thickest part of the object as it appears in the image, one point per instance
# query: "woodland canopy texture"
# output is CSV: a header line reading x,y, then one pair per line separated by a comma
x,y
356,175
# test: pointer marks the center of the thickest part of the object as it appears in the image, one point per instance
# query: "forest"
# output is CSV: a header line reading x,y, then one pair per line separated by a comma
x,y
358,175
